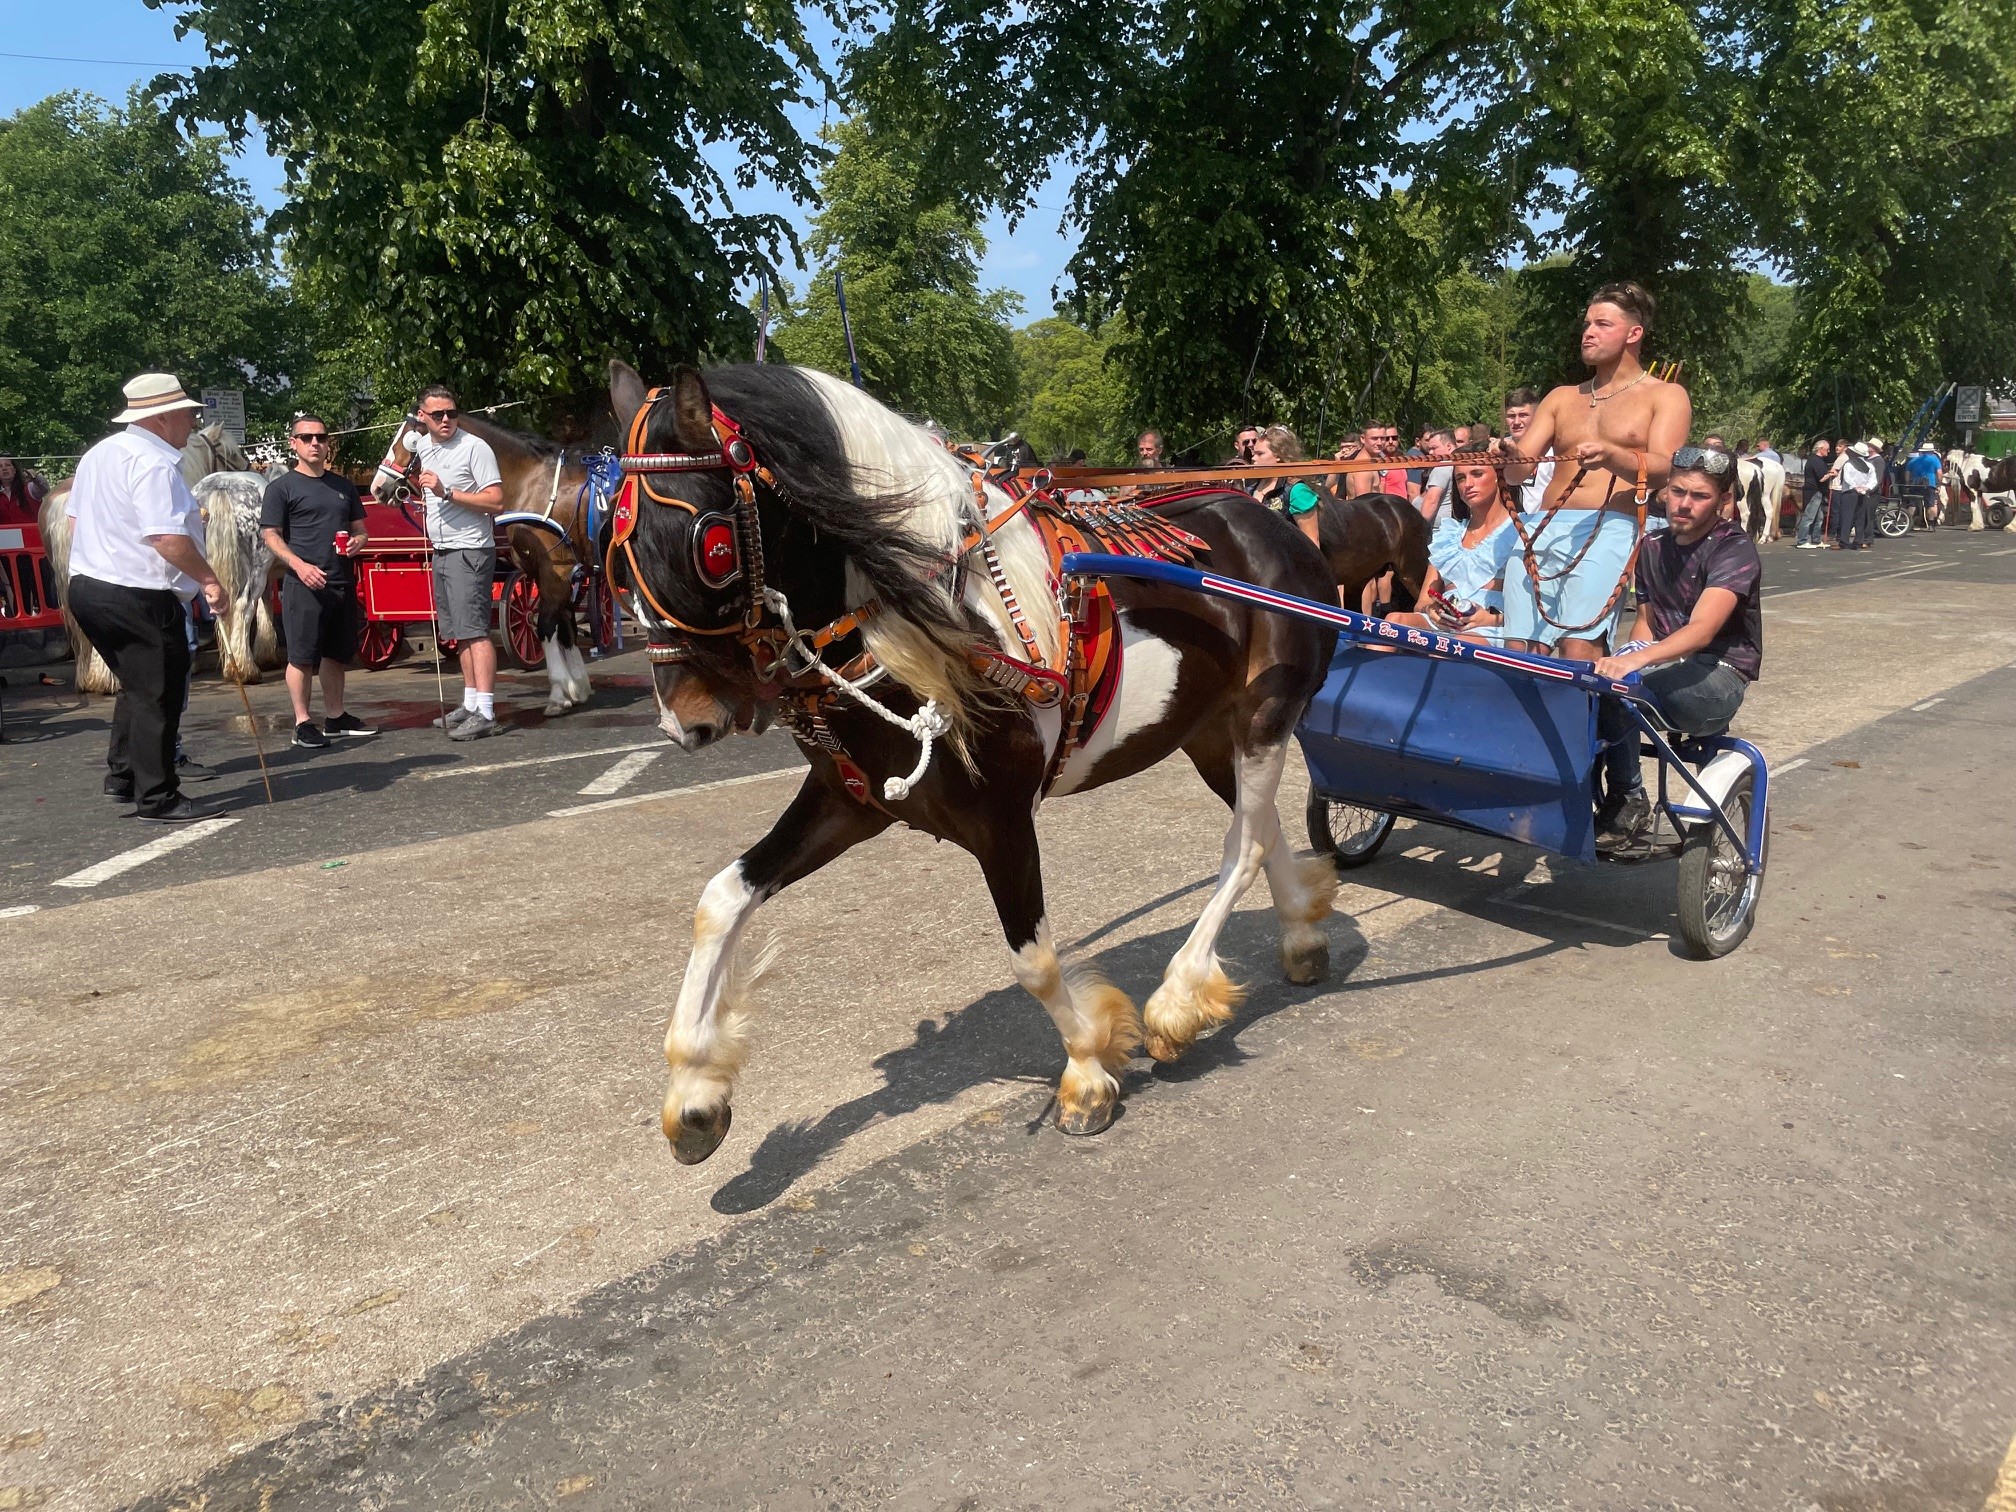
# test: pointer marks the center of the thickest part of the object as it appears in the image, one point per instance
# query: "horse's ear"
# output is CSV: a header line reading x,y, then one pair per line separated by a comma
x,y
692,411
626,394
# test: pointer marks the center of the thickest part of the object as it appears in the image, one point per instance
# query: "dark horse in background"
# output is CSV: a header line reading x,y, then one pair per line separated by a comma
x,y
541,478
1365,538
859,505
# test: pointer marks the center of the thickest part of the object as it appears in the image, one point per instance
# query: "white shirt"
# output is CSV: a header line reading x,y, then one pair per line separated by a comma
x,y
129,487
1858,474
465,463
1534,489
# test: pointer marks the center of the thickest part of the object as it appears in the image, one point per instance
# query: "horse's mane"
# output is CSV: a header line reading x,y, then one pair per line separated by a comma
x,y
898,505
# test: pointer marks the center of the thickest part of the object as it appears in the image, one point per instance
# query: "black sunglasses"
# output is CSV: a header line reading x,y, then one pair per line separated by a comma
x,y
1702,459
440,414
311,435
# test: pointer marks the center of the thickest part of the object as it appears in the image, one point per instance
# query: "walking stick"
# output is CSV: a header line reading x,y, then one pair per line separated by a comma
x,y
252,724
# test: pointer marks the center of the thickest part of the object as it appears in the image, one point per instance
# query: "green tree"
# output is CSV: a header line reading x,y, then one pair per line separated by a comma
x,y
931,342
1072,396
126,247
505,193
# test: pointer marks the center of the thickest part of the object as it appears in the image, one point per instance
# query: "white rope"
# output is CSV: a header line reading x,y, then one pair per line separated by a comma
x,y
924,727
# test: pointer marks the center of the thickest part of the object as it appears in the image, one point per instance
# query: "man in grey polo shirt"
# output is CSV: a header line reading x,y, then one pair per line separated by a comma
x,y
464,492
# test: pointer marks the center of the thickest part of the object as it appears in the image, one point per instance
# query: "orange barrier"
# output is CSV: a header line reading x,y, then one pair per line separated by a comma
x,y
27,601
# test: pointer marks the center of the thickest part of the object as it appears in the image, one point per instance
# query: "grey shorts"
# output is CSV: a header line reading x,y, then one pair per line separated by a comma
x,y
462,581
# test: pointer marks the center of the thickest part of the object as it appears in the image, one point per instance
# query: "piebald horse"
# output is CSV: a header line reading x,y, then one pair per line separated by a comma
x,y
540,479
857,512
228,490
1760,496
1980,481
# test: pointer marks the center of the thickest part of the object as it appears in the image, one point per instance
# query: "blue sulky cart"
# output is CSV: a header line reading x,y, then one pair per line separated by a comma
x,y
1415,724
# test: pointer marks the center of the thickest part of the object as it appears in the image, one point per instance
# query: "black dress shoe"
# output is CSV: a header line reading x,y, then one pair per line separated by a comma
x,y
179,811
193,771
117,793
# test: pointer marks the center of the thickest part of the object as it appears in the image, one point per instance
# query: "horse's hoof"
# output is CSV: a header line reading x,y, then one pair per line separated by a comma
x,y
1088,1118
1162,1048
555,710
1307,966
700,1135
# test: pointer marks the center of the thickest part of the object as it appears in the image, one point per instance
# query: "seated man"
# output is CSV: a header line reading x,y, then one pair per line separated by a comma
x,y
1564,589
1698,643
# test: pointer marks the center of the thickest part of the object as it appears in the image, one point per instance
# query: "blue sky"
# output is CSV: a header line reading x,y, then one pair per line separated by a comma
x,y
134,43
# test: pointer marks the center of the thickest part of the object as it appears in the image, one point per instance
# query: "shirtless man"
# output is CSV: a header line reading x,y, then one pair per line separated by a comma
x,y
1597,431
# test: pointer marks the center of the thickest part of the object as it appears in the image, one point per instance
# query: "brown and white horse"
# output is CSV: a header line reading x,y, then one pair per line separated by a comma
x,y
540,479
1980,482
227,487
856,505
1760,496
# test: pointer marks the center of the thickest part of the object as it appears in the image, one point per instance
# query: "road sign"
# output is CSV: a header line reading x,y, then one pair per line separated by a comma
x,y
1967,406
226,407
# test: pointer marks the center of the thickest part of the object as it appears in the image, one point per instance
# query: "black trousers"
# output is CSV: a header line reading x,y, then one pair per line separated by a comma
x,y
140,632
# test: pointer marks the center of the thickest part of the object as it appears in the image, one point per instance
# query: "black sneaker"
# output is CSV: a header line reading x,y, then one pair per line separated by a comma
x,y
192,771
308,734
118,792
1632,820
178,810
347,724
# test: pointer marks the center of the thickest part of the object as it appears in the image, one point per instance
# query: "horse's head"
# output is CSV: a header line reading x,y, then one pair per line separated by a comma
x,y
393,482
688,562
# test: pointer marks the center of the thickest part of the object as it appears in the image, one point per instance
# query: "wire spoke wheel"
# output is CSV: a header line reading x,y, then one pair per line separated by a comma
x,y
520,613
1349,832
1718,896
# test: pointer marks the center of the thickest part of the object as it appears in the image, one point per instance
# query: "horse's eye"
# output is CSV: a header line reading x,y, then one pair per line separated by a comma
x,y
717,557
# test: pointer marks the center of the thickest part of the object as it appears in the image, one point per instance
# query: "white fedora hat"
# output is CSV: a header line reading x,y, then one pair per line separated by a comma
x,y
154,394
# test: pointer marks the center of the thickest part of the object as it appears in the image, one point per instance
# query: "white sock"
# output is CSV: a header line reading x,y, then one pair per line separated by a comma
x,y
469,697
486,704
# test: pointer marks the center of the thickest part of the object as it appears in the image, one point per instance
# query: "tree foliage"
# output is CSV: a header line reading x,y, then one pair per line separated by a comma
x,y
126,247
1072,395
507,192
931,342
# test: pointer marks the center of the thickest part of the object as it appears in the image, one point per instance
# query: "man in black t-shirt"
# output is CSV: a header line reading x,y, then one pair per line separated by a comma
x,y
305,510
1699,640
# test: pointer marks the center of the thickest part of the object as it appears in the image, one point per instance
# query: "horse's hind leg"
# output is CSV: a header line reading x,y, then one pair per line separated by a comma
x,y
1096,1019
1195,994
1303,889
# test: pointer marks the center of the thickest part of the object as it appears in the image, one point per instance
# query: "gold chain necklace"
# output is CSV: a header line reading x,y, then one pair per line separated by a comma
x,y
1596,398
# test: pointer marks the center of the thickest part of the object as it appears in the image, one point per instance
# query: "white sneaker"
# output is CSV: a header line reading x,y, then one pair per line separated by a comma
x,y
453,718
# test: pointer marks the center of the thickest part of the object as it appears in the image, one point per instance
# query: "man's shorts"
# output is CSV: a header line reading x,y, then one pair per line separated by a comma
x,y
1572,598
462,581
318,622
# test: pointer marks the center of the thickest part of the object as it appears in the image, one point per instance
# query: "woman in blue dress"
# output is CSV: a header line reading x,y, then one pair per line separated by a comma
x,y
1464,592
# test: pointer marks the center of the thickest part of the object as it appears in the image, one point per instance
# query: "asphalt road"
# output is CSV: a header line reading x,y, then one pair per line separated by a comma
x,y
342,1186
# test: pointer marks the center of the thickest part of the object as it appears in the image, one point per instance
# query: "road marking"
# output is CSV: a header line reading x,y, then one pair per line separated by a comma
x,y
19,910
532,761
1790,766
1921,708
1883,577
623,773
1791,593
2005,551
699,787
140,855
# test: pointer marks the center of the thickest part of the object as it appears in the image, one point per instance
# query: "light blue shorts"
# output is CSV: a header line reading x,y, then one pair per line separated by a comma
x,y
1573,598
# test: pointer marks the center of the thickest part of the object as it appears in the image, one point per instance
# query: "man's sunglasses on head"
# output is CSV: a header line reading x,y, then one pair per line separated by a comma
x,y
1702,459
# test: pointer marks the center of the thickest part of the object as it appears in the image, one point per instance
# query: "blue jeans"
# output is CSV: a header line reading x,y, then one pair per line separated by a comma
x,y
1810,519
1697,696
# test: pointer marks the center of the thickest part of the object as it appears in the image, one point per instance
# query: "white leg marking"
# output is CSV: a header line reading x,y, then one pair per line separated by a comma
x,y
1097,1023
557,701
704,1044
578,687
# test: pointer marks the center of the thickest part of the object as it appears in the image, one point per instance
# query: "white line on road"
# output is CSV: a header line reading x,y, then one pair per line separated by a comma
x,y
19,910
1921,708
622,774
1790,766
2005,551
1886,576
140,855
532,761
698,787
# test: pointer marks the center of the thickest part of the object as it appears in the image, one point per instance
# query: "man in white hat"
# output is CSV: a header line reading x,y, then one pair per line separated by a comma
x,y
136,557
1853,510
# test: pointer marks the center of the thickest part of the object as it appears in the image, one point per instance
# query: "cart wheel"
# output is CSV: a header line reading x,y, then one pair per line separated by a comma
x,y
1893,521
378,644
1718,898
1998,516
598,614
1350,834
519,611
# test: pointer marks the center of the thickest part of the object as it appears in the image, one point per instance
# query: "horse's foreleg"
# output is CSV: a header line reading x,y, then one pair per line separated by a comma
x,y
1195,994
1097,1020
1304,890
706,1042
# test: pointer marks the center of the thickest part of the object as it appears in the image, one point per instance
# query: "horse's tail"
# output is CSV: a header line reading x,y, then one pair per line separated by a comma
x,y
89,670
230,504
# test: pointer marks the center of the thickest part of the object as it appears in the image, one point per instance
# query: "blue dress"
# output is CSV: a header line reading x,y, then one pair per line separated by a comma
x,y
1474,574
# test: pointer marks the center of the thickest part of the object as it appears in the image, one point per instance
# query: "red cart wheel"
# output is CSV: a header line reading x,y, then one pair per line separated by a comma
x,y
520,614
599,614
378,644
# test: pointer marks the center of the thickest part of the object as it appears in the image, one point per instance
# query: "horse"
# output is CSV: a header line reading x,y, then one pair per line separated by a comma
x,y
1980,481
542,481
848,548
241,560
1760,496
1366,537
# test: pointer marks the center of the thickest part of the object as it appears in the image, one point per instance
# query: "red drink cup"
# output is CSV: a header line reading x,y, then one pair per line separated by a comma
x,y
342,543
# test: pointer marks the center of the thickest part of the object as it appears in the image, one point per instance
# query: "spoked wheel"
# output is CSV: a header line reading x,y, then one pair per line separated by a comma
x,y
1718,897
1893,520
520,613
378,643
1347,832
598,614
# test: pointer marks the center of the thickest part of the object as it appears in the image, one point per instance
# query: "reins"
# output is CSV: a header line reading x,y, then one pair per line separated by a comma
x,y
1528,544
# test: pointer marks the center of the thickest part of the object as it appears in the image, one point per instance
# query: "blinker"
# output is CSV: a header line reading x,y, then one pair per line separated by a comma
x,y
714,553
